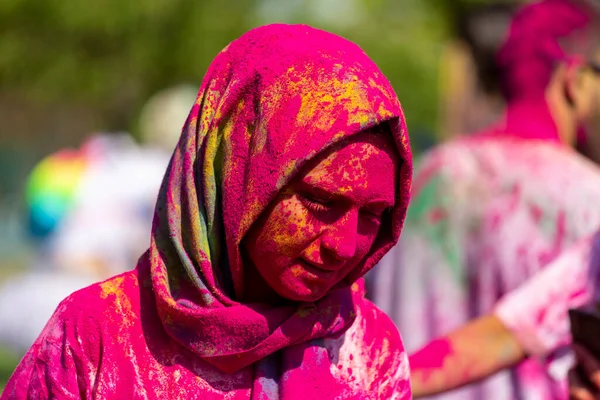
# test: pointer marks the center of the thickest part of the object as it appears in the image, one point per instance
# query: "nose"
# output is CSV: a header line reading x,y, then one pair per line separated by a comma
x,y
340,239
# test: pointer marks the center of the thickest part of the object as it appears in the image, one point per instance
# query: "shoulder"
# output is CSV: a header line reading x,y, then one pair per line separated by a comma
x,y
86,316
93,301
374,328
446,180
454,166
67,355
450,157
537,158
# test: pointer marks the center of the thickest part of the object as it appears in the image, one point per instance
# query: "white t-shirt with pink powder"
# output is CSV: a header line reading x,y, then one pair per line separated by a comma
x,y
537,312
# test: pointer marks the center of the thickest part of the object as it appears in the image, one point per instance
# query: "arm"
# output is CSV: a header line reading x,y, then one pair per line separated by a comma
x,y
530,321
471,353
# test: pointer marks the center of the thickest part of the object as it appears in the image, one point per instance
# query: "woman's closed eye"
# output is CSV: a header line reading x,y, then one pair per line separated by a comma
x,y
316,203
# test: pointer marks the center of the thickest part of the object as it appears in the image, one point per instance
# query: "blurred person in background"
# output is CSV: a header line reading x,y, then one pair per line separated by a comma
x,y
531,321
589,146
164,114
492,209
89,212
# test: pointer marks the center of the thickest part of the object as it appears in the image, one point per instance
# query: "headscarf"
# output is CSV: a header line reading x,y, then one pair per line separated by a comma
x,y
271,101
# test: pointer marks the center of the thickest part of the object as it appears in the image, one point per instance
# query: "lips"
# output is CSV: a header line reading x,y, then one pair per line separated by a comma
x,y
321,267
314,273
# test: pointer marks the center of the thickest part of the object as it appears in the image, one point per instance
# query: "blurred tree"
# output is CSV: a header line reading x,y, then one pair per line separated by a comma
x,y
109,56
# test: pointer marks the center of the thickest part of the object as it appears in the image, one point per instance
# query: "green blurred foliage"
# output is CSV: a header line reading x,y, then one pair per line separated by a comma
x,y
8,361
111,55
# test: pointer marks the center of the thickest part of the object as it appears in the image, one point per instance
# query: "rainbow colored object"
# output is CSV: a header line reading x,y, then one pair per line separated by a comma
x,y
51,190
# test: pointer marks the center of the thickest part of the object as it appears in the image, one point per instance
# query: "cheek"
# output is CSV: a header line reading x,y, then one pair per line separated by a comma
x,y
369,229
366,236
363,246
288,229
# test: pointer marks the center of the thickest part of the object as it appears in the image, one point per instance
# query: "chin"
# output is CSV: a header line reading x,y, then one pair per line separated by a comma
x,y
303,293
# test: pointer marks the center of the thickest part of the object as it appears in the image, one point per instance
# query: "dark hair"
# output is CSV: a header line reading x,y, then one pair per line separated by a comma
x,y
482,27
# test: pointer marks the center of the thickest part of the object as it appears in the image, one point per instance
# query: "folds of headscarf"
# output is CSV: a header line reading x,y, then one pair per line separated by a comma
x,y
270,101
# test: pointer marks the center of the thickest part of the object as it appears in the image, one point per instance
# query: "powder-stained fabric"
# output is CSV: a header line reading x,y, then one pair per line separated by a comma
x,y
270,102
537,312
488,212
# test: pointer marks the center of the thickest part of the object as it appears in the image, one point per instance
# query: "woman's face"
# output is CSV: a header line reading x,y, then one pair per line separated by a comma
x,y
323,224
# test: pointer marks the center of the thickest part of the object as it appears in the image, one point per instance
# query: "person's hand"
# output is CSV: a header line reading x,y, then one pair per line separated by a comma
x,y
584,378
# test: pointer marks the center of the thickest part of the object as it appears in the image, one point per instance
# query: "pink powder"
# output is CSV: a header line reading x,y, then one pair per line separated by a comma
x,y
433,356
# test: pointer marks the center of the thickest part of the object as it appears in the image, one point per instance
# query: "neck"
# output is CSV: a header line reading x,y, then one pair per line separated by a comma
x,y
530,118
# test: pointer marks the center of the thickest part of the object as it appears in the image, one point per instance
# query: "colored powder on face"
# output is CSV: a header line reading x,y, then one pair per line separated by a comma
x,y
323,226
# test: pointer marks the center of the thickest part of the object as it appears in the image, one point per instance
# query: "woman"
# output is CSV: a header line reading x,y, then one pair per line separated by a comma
x,y
290,181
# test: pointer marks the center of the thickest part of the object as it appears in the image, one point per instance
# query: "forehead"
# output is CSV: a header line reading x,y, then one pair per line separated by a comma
x,y
363,169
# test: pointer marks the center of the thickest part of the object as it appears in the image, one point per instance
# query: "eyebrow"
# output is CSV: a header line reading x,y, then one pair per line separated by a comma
x,y
326,194
320,191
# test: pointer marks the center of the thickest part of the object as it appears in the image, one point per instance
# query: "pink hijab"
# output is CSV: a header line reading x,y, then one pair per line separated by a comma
x,y
270,102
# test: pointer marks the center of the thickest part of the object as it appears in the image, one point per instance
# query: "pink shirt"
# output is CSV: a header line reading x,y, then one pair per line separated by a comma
x,y
107,342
